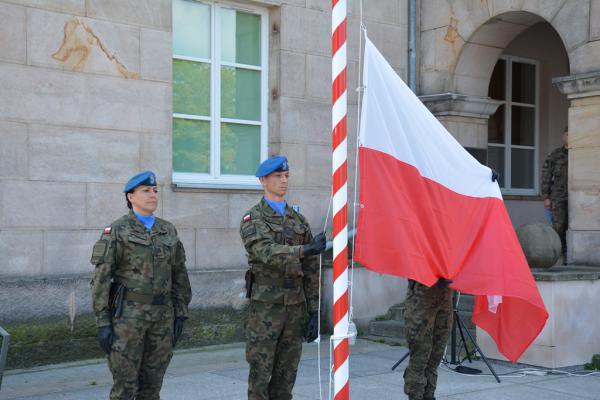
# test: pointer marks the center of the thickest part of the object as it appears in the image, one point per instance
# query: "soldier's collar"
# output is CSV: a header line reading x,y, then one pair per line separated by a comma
x,y
268,210
137,224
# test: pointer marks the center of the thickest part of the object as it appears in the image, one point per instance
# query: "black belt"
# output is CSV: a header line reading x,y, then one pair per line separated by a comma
x,y
155,300
285,283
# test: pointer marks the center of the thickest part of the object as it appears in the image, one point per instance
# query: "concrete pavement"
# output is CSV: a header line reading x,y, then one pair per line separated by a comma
x,y
220,372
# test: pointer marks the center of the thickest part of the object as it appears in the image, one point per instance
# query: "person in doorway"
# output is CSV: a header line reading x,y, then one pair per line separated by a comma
x,y
555,189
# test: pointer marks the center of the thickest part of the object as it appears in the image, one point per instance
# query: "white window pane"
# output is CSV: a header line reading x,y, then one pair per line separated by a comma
x,y
240,93
523,82
191,145
496,162
523,126
240,37
240,149
191,29
522,168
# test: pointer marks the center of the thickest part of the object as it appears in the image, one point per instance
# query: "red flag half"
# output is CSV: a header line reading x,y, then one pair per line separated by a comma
x,y
428,209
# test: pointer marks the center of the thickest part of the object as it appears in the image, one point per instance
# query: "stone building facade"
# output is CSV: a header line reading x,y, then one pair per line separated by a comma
x,y
89,96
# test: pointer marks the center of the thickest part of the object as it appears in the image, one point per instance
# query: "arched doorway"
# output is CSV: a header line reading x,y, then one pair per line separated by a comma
x,y
532,115
501,103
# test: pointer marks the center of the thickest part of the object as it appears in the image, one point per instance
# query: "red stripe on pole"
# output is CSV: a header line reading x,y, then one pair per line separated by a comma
x,y
340,354
339,37
344,392
340,176
340,308
339,85
339,132
341,217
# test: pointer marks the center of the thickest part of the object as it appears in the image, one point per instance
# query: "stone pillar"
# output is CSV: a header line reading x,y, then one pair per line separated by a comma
x,y
583,236
466,117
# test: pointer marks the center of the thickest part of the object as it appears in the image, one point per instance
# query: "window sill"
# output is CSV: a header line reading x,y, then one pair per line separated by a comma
x,y
214,188
523,197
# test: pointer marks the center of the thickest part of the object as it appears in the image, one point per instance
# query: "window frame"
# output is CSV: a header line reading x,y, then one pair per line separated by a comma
x,y
214,178
508,103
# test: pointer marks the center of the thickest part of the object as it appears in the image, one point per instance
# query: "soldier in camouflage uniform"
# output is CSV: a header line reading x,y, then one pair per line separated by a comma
x,y
555,188
140,293
282,283
428,322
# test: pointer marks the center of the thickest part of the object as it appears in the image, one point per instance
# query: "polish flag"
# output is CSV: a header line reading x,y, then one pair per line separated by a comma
x,y
428,210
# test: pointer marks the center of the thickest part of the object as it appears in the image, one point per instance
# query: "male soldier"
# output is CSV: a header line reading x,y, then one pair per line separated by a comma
x,y
428,321
554,187
282,284
140,293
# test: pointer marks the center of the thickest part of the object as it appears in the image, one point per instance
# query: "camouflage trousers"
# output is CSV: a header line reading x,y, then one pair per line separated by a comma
x,y
560,218
273,349
139,358
428,321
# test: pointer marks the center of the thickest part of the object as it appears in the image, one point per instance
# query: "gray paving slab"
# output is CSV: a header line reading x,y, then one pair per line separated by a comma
x,y
516,392
220,372
587,387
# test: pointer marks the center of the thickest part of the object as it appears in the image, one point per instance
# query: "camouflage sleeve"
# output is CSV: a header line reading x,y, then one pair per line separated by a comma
x,y
103,257
547,177
261,246
310,268
181,291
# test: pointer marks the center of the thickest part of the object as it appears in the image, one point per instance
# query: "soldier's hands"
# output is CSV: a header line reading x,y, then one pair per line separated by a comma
x,y
315,247
495,175
312,328
177,329
443,283
105,338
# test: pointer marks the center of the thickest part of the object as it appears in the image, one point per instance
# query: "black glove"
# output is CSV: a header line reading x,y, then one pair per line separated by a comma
x,y
312,328
495,176
443,283
105,338
315,247
177,329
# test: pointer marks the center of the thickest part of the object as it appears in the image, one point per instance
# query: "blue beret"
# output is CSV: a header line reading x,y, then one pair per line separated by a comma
x,y
143,178
273,164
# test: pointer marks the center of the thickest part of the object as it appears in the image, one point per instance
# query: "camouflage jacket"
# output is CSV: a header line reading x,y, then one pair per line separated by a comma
x,y
274,245
555,175
148,262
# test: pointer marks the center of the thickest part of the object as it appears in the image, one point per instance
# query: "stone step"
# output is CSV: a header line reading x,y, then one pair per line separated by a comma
x,y
391,328
395,328
397,312
392,341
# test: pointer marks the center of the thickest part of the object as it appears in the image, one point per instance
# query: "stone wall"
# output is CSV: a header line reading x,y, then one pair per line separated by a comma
x,y
85,103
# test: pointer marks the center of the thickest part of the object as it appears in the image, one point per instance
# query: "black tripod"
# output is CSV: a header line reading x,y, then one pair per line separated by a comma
x,y
459,325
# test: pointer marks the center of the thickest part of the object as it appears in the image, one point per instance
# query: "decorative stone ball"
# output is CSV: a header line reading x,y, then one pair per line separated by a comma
x,y
540,244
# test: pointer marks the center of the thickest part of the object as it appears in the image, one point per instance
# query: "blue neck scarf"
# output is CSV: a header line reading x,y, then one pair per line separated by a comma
x,y
146,220
278,206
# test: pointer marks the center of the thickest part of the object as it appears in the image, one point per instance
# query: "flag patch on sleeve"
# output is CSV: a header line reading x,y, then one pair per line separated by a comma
x,y
247,217
107,230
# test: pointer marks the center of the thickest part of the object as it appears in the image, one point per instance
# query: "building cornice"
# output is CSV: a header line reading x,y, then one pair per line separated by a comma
x,y
455,104
580,85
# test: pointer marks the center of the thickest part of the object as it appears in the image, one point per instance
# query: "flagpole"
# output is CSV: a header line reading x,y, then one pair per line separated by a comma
x,y
340,202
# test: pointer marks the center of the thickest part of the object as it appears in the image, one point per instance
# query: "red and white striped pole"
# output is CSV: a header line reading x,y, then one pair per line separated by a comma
x,y
340,203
